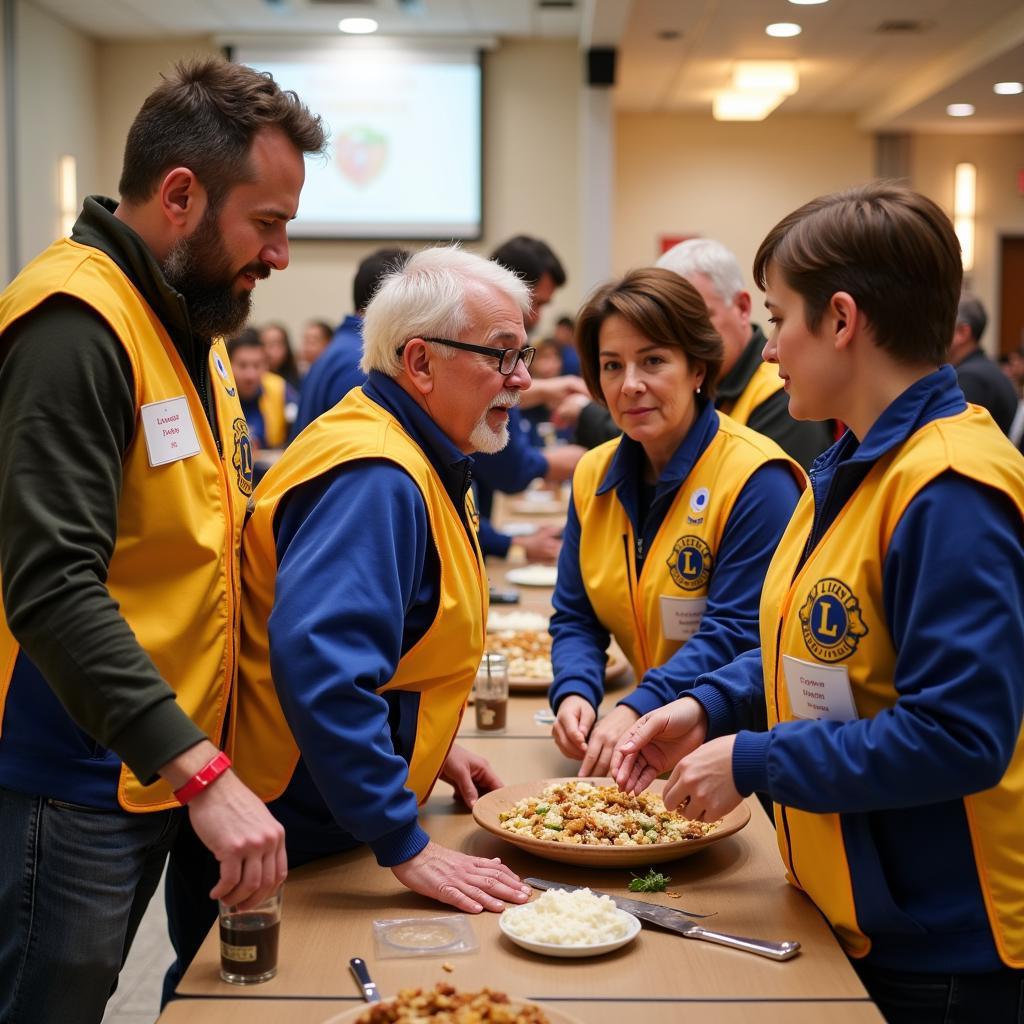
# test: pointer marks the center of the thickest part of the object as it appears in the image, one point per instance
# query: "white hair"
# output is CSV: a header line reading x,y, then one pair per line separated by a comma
x,y
710,258
426,297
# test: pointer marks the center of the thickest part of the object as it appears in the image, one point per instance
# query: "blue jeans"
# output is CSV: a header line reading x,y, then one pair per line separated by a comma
x,y
906,997
74,884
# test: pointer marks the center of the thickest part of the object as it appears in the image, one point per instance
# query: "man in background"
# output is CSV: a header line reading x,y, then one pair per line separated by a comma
x,y
262,394
337,371
980,379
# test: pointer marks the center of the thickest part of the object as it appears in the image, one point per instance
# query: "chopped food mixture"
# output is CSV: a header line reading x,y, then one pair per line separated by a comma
x,y
528,652
445,1005
589,815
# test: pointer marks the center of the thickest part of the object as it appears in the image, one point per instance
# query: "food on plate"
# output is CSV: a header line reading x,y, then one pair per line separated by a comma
x,y
528,652
445,1005
578,918
583,814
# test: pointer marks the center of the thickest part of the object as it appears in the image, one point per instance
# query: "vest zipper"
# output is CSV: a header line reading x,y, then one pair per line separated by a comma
x,y
637,621
211,410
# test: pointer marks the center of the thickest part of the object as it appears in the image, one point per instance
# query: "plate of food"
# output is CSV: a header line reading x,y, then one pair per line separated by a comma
x,y
569,924
532,575
524,639
591,822
444,1004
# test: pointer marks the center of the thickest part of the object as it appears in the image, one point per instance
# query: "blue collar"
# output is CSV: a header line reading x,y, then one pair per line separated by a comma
x,y
628,463
932,397
452,465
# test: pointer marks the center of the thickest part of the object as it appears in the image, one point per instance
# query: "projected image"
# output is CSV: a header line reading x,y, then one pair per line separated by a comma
x,y
404,158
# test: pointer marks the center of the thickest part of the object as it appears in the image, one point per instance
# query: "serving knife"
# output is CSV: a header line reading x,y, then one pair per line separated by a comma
x,y
678,921
362,975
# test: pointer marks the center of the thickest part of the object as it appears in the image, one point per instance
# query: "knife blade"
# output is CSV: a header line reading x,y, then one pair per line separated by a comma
x,y
357,965
683,924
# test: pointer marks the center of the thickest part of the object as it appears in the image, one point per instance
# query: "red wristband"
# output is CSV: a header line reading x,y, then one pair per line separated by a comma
x,y
202,778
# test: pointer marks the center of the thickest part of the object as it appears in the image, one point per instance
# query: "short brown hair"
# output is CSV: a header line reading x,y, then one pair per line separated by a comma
x,y
891,248
661,305
203,116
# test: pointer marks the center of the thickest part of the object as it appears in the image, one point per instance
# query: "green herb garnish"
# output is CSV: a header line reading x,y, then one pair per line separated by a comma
x,y
653,881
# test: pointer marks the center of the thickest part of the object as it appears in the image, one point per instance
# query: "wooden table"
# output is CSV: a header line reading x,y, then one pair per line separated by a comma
x,y
330,906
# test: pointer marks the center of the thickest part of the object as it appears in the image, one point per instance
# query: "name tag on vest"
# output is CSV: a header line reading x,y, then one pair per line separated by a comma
x,y
819,691
170,432
680,616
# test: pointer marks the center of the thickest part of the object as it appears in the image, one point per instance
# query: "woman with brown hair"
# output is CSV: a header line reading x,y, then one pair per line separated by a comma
x,y
671,527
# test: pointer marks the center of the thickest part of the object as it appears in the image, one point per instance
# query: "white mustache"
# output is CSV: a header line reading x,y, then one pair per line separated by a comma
x,y
506,399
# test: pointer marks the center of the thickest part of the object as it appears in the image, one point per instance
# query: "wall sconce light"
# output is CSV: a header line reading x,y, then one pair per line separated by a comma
x,y
67,193
965,178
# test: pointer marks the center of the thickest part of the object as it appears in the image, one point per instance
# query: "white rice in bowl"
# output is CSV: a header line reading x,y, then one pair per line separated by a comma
x,y
562,918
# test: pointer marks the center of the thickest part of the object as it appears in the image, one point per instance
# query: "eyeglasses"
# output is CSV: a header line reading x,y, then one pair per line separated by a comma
x,y
508,358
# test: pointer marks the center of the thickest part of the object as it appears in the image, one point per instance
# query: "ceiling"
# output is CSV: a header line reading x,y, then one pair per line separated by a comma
x,y
893,64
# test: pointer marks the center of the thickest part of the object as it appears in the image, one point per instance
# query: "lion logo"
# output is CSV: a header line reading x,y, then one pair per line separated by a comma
x,y
832,621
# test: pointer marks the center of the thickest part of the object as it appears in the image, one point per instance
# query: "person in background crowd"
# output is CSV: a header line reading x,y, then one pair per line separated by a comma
x,y
1012,364
338,370
280,357
671,527
119,538
892,625
749,390
981,381
564,335
261,393
520,463
316,336
547,363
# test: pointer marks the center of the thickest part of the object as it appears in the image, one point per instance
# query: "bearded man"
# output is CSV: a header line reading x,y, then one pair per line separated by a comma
x,y
125,468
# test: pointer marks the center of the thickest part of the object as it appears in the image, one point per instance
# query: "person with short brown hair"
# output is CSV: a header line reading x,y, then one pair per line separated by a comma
x,y
125,469
892,625
670,527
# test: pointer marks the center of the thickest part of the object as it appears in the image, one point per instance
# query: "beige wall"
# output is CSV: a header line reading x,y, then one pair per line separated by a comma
x,y
57,116
530,130
1000,208
691,175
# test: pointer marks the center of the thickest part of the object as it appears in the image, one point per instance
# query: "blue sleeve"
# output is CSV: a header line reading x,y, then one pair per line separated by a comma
x,y
512,469
492,541
578,639
330,379
351,548
732,696
729,625
953,585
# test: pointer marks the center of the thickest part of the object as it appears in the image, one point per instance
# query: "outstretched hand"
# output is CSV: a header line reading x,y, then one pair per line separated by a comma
x,y
657,742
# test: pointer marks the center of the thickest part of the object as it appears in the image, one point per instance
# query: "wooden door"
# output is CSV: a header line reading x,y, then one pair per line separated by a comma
x,y
1011,294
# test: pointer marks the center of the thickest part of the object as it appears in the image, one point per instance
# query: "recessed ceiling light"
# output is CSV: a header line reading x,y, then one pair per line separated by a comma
x,y
1008,88
783,29
960,109
808,3
357,26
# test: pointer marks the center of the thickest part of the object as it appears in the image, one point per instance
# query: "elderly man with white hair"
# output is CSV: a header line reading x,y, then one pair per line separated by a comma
x,y
749,390
364,590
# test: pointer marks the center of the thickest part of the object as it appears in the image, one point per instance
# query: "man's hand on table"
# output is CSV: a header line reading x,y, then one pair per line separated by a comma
x,y
467,883
236,827
469,774
543,544
657,742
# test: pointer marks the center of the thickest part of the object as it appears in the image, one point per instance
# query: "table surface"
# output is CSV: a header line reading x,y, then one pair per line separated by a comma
x,y
330,907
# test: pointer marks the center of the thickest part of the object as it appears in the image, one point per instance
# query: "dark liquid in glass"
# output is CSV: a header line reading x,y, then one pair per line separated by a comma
x,y
248,944
491,714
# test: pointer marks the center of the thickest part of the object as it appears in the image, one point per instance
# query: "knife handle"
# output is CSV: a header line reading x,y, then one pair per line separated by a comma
x,y
772,950
357,965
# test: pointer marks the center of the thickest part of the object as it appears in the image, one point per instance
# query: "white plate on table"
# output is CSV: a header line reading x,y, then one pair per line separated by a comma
x,y
532,576
518,529
569,951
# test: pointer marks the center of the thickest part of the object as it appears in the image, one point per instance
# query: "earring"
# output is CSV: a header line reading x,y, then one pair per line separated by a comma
x,y
698,389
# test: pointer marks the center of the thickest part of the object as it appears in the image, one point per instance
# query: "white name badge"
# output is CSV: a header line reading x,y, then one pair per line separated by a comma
x,y
680,616
170,432
819,691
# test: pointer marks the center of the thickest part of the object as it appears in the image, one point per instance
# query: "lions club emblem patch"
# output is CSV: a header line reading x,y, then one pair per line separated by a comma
x,y
831,620
690,563
241,457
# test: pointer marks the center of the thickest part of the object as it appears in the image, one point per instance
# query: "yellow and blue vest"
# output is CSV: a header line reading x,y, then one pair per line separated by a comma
x,y
764,383
174,570
440,667
680,560
831,610
272,402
